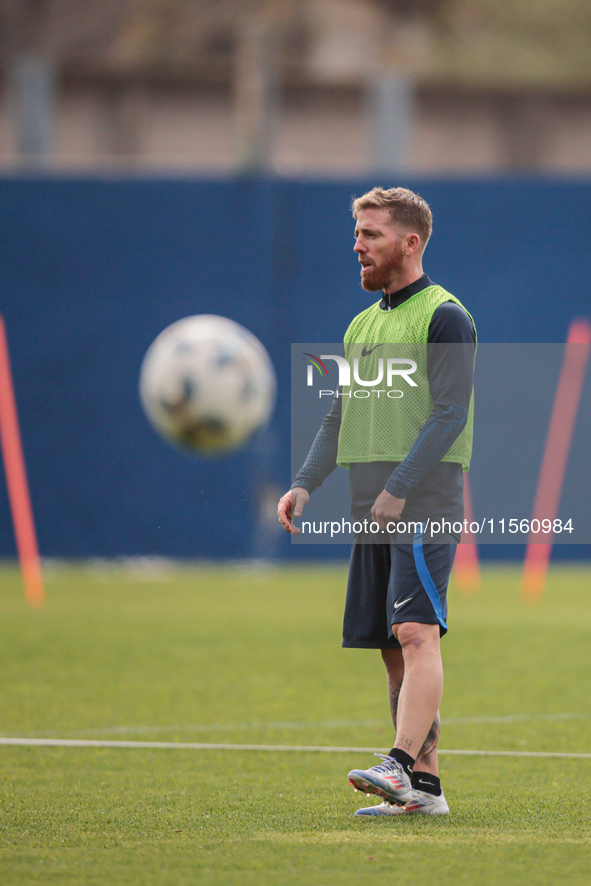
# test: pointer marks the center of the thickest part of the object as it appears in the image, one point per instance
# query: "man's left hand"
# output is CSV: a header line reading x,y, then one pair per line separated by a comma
x,y
387,509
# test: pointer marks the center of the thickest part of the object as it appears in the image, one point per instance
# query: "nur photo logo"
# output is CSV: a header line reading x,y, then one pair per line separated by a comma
x,y
389,370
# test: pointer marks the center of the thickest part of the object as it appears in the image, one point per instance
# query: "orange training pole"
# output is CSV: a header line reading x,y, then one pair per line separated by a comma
x,y
16,481
560,434
466,565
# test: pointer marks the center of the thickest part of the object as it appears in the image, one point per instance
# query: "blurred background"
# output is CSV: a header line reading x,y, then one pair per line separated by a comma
x,y
173,157
330,87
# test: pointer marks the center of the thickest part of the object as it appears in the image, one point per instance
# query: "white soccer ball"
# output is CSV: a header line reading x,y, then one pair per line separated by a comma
x,y
207,384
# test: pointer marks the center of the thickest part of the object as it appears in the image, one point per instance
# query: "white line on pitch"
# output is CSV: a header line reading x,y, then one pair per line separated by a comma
x,y
194,746
290,725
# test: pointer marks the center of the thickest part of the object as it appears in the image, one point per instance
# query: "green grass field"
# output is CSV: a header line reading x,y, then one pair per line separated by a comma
x,y
247,656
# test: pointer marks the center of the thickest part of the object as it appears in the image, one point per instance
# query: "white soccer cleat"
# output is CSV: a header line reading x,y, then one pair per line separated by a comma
x,y
420,803
388,780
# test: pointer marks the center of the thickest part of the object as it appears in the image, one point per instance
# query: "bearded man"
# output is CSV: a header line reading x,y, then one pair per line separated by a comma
x,y
406,459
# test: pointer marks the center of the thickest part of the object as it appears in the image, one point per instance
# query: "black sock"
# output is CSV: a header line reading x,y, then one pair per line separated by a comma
x,y
424,781
405,760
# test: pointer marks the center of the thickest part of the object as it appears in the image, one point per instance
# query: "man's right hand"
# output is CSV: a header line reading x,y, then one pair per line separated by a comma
x,y
290,506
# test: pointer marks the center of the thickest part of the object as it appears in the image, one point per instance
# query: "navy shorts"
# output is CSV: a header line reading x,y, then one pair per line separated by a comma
x,y
395,583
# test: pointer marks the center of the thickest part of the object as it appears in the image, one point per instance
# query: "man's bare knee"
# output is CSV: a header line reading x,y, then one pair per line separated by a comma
x,y
414,636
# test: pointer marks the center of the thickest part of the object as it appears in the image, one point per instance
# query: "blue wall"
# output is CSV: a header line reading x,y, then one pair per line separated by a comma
x,y
94,268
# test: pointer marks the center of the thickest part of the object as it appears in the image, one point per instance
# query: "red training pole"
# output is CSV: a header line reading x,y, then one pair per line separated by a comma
x,y
466,564
554,461
16,481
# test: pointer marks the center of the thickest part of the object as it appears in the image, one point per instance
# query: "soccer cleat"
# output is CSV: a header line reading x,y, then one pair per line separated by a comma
x,y
388,780
420,803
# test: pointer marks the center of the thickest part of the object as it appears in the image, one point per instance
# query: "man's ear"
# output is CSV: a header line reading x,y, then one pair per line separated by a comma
x,y
413,242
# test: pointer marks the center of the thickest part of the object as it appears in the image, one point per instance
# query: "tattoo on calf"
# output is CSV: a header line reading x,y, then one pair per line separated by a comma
x,y
394,695
430,744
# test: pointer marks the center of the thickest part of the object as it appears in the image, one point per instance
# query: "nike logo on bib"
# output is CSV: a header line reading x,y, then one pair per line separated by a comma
x,y
398,605
366,353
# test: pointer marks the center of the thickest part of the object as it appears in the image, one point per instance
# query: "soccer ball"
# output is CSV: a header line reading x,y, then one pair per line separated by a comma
x,y
207,384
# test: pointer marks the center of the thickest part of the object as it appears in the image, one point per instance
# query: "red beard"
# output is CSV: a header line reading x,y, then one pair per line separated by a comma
x,y
378,278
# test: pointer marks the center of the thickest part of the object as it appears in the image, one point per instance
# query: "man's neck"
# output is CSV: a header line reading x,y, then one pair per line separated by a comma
x,y
404,279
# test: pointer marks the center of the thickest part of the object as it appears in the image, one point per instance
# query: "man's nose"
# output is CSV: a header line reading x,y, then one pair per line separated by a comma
x,y
359,246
